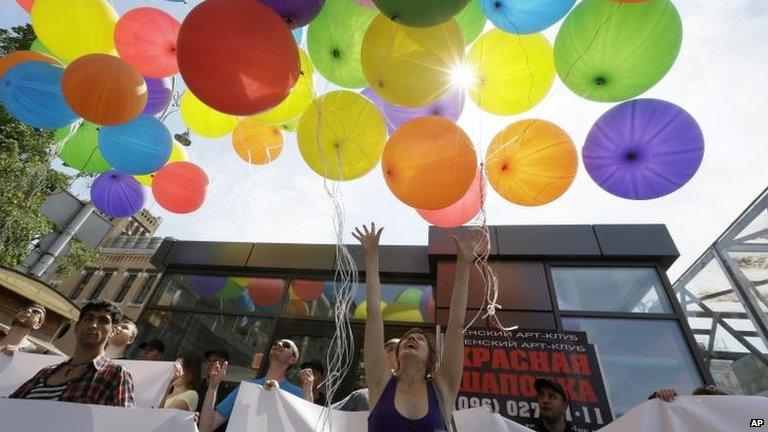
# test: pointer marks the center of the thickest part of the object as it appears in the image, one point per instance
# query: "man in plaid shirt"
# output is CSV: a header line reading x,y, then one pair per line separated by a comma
x,y
88,377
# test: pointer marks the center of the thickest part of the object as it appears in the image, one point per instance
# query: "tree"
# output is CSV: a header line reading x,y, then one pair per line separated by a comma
x,y
26,176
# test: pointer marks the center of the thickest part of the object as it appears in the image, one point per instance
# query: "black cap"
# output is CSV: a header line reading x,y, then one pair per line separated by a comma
x,y
218,352
155,344
544,382
313,364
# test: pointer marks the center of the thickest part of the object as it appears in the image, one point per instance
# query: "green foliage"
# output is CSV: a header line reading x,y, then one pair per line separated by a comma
x,y
17,38
78,258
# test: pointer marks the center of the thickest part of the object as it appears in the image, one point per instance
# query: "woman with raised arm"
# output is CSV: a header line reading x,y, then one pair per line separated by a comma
x,y
414,397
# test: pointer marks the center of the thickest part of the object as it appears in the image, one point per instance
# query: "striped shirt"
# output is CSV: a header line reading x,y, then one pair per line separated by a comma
x,y
43,390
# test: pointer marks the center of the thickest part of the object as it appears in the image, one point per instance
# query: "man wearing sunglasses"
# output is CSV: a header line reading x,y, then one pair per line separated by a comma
x,y
25,322
282,356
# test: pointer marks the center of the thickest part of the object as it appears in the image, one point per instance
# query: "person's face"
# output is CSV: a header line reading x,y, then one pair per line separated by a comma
x,y
209,362
150,353
391,350
124,334
414,349
551,404
31,318
94,328
282,351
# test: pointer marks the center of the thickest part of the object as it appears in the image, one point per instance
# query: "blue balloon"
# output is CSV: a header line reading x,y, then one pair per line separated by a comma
x,y
525,16
141,146
31,92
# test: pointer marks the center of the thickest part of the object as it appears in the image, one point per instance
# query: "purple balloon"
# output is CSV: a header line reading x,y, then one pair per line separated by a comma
x,y
205,286
450,106
643,149
117,195
158,95
295,13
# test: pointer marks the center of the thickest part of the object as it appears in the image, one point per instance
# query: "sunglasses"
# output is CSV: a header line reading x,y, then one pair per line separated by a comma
x,y
285,344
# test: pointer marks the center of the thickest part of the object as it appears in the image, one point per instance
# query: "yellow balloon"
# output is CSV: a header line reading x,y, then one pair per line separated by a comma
x,y
298,99
291,125
402,312
411,66
361,311
204,120
342,135
513,72
74,28
257,143
178,154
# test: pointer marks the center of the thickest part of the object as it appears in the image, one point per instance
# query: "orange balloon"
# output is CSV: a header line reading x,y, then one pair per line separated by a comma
x,y
17,57
531,162
429,163
297,307
104,89
180,187
146,38
257,143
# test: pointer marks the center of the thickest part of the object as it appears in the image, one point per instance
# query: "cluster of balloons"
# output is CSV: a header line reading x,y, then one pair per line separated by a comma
x,y
409,305
401,72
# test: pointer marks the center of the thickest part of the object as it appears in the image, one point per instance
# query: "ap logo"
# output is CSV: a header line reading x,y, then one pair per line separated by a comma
x,y
756,423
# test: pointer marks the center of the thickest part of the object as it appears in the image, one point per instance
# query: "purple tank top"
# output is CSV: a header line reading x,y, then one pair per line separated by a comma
x,y
385,418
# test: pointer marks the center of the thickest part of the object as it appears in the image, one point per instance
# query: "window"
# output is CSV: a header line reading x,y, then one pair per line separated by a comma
x,y
81,285
145,288
100,286
126,285
610,289
638,357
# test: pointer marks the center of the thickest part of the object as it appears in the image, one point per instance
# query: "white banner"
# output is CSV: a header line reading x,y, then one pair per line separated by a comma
x,y
150,378
48,416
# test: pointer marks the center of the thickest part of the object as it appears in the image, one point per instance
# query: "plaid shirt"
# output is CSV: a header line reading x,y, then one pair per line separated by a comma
x,y
104,383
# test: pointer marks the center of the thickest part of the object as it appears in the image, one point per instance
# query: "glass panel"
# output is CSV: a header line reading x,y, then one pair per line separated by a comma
x,y
401,302
638,357
125,286
262,296
145,288
194,333
96,293
754,265
610,289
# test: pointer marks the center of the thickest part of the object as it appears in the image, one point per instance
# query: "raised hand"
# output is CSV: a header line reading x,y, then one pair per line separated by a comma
x,y
368,237
466,247
216,374
307,378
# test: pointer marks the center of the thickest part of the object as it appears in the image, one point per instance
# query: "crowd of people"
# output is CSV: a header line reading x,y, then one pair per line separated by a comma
x,y
406,390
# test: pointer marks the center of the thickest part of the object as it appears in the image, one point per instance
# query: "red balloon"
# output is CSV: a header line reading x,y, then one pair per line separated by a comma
x,y
266,291
180,187
460,212
308,290
146,38
26,4
237,56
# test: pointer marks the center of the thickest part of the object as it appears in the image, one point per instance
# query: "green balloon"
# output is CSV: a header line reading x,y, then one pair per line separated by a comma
x,y
81,150
334,39
420,13
471,21
231,291
410,296
38,47
610,51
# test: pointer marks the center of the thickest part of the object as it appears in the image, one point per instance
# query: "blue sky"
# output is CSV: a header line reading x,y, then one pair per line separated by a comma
x,y
719,77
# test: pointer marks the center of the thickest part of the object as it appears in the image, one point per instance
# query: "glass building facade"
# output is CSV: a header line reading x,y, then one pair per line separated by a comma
x,y
606,280
725,296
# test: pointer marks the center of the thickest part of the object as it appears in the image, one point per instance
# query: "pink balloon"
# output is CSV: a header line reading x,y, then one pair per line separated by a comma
x,y
366,3
26,4
460,212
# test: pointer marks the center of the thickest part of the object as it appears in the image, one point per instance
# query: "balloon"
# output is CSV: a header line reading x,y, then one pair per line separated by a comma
x,y
361,311
471,21
450,106
429,163
525,16
643,149
159,95
410,66
74,28
26,4
514,72
307,289
205,286
402,312
146,38
204,120
297,307
422,13
366,3
295,13
428,309
298,99
178,154
242,281
243,302
141,146
104,90
257,143
341,135
231,291
531,162
16,57
609,52
81,150
266,291
31,92
460,212
38,47
233,65
180,187
411,296
117,195
334,40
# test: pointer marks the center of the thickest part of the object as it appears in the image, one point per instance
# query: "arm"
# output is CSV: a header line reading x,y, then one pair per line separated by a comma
x,y
307,378
376,368
448,377
211,420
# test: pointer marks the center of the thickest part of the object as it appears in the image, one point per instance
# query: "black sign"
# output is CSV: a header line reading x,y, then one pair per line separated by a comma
x,y
500,368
